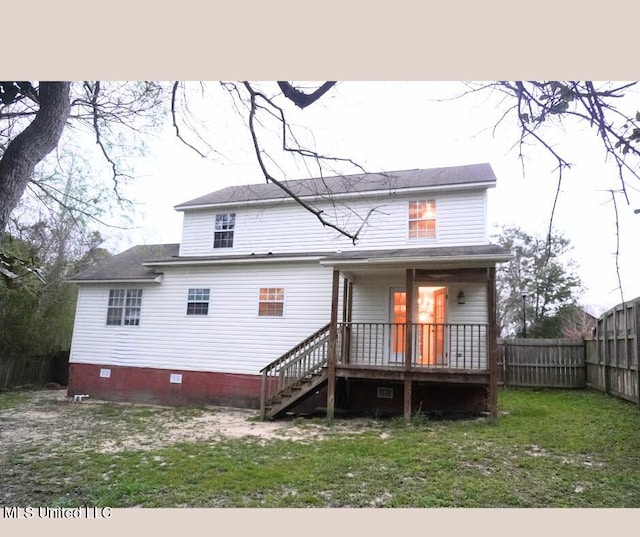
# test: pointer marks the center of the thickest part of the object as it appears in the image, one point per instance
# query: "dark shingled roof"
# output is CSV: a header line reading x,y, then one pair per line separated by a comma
x,y
128,264
438,252
386,181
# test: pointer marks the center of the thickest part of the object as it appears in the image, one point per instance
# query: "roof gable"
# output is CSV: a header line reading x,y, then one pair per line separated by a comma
x,y
349,184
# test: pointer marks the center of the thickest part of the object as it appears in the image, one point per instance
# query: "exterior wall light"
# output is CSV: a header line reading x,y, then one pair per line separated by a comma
x,y
461,298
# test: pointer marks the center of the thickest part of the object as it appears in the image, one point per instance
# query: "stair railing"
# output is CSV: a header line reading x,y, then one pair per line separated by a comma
x,y
294,366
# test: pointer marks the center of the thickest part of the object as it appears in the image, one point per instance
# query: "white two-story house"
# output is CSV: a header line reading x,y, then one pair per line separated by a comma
x,y
260,305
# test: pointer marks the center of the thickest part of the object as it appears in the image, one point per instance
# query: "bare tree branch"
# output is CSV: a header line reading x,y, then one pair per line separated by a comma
x,y
95,91
301,99
537,103
617,254
174,91
254,106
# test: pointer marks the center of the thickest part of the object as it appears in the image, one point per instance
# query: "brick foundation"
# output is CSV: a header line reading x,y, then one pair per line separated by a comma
x,y
148,385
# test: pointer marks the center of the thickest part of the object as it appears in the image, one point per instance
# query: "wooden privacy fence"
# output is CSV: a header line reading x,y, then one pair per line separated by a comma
x,y
18,371
608,361
542,363
612,353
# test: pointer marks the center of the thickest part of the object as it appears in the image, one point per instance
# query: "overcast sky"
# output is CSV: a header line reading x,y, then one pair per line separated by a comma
x,y
388,126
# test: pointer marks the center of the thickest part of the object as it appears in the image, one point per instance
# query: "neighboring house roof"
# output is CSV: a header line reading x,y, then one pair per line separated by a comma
x,y
136,264
349,184
127,266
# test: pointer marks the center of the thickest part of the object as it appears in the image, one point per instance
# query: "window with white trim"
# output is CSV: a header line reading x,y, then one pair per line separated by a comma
x,y
422,219
198,301
224,229
271,302
124,307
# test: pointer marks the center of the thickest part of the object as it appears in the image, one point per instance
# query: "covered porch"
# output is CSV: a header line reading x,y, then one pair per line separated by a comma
x,y
401,321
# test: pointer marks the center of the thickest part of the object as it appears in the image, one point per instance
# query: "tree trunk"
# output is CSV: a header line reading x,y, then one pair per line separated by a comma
x,y
32,145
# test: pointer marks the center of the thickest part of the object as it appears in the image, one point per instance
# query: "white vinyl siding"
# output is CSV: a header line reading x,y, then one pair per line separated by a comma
x,y
472,312
288,228
232,338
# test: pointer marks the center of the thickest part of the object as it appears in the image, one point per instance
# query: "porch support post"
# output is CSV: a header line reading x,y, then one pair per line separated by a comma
x,y
408,343
347,308
331,354
263,395
492,347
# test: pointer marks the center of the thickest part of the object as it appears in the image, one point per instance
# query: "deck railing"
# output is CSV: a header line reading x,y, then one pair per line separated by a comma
x,y
439,345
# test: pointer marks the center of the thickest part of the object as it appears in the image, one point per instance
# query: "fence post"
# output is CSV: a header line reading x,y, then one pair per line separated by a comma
x,y
505,367
636,345
605,354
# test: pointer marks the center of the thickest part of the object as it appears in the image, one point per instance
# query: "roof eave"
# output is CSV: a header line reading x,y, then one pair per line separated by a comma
x,y
157,279
227,261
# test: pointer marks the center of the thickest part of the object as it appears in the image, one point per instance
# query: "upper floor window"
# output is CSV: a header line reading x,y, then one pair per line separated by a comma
x,y
223,232
271,302
422,219
124,307
198,302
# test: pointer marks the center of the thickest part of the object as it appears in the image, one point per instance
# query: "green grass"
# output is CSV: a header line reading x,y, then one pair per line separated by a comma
x,y
12,398
548,449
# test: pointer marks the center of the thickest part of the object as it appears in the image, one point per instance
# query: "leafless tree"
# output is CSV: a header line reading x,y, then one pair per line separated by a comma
x,y
539,109
32,118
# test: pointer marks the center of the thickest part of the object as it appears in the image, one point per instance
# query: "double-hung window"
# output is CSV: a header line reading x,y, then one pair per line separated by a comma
x,y
271,302
124,307
422,219
198,301
224,229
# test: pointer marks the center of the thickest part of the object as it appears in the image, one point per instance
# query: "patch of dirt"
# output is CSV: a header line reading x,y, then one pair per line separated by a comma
x,y
581,460
112,427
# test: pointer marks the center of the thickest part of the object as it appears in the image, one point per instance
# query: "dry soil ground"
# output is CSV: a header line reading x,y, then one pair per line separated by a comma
x,y
49,417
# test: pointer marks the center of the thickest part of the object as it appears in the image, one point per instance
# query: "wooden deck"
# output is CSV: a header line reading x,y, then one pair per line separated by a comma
x,y
440,354
414,374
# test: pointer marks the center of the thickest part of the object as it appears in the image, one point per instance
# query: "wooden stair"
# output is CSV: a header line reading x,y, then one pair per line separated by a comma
x,y
295,375
294,394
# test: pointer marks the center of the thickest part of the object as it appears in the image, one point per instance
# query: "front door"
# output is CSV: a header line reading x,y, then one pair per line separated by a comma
x,y
429,331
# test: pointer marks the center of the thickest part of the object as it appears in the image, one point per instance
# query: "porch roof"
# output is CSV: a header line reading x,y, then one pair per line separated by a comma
x,y
458,256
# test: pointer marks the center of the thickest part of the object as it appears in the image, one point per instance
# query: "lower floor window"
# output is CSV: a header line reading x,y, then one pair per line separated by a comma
x,y
198,302
271,302
124,307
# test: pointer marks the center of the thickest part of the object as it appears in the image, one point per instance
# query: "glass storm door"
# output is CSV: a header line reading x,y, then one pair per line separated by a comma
x,y
430,329
439,318
398,316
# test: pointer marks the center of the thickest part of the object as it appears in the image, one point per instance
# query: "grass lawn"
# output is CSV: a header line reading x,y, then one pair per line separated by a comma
x,y
548,449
